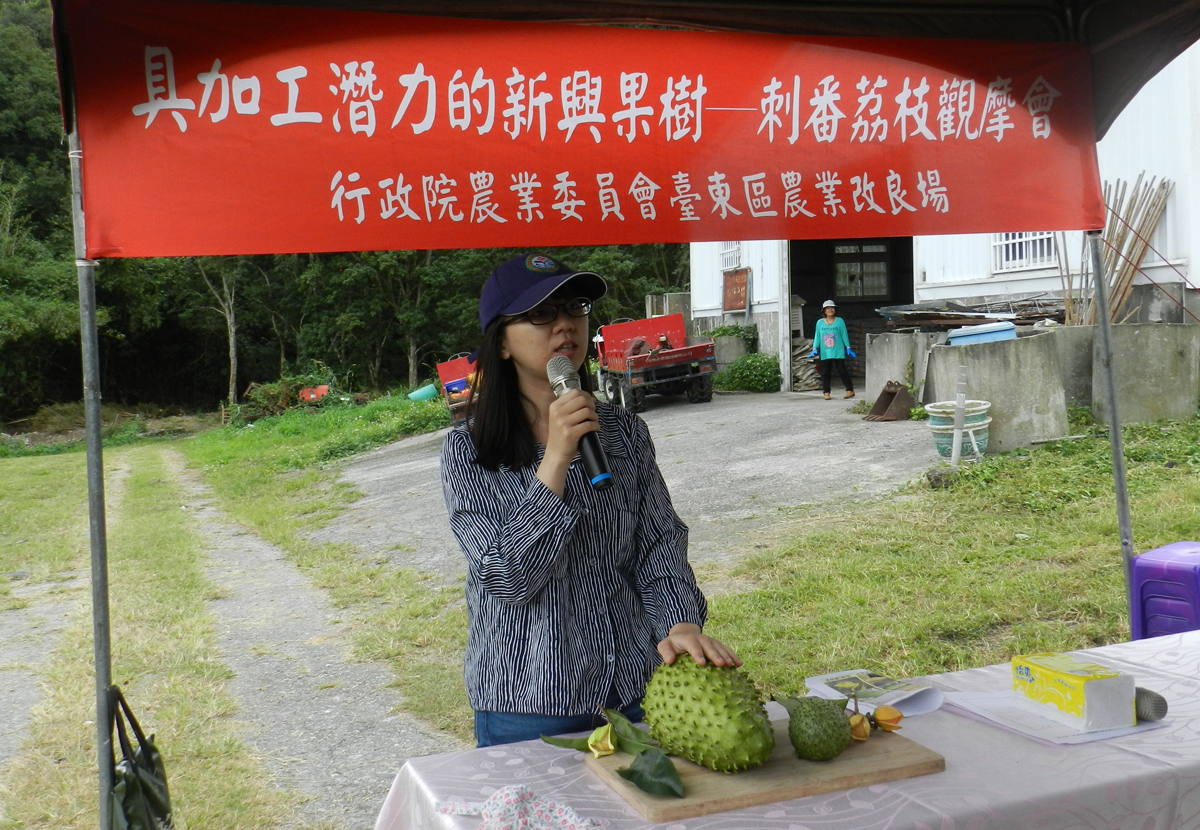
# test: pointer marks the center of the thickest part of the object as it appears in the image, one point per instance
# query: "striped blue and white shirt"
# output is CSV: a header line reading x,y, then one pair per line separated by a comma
x,y
567,598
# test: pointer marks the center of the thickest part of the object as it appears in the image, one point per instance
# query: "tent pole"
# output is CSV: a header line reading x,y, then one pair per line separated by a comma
x,y
1099,291
86,270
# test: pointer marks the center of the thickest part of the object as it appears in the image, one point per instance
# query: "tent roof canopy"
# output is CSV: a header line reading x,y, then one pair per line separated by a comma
x,y
1129,41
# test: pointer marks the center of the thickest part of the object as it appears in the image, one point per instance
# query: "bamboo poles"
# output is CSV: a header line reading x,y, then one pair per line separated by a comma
x,y
1133,214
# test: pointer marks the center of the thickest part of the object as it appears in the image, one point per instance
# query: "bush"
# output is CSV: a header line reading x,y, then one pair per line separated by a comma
x,y
751,373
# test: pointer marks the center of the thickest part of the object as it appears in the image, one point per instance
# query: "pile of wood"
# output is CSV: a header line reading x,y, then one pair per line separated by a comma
x,y
804,371
1132,218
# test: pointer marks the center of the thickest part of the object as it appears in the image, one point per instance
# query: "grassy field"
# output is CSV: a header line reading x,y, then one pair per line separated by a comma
x,y
274,477
41,533
1020,555
164,657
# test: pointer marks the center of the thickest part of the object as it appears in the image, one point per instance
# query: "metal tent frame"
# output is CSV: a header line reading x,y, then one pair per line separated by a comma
x,y
1128,42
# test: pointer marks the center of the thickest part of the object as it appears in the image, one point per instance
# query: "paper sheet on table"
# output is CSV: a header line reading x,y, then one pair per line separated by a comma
x,y
875,690
1004,709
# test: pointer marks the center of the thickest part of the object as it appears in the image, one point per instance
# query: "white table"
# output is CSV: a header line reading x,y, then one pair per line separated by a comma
x,y
993,779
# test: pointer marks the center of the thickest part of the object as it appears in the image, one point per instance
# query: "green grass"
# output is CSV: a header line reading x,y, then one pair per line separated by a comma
x,y
273,478
164,656
1023,555
43,519
118,434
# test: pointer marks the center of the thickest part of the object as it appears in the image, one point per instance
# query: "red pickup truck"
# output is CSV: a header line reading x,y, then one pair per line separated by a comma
x,y
652,356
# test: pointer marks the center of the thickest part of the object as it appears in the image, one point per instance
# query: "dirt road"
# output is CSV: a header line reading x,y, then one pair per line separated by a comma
x,y
323,722
735,468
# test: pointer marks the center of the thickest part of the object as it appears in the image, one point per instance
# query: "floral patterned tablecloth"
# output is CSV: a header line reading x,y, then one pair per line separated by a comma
x,y
994,778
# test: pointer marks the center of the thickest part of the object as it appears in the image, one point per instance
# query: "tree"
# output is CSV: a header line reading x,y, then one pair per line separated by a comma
x,y
32,143
223,288
38,305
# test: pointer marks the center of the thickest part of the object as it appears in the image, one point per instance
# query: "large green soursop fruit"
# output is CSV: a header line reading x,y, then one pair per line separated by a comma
x,y
819,729
711,715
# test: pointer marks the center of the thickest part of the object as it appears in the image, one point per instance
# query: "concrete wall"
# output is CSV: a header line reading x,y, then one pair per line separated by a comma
x,y
897,356
727,349
768,328
1156,369
1074,346
1020,377
1167,302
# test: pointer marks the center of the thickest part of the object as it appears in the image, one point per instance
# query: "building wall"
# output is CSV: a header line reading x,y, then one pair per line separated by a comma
x,y
767,261
1155,134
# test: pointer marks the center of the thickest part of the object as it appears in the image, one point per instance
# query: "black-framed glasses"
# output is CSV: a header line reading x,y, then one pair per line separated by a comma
x,y
545,313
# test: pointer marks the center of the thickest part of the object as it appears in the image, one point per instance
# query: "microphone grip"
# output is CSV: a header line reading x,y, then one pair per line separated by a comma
x,y
594,462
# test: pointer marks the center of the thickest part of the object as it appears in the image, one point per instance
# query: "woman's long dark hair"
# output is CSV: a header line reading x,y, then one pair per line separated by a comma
x,y
496,415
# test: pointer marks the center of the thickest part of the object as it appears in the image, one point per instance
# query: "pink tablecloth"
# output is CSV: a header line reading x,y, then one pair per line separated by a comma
x,y
993,779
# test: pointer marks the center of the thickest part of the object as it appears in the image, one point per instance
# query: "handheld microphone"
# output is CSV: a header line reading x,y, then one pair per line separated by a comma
x,y
563,377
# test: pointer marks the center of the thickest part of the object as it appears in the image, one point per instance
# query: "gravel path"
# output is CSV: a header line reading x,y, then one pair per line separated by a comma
x,y
736,468
322,721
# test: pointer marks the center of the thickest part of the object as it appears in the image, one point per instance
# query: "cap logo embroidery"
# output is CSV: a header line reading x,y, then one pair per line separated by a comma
x,y
538,262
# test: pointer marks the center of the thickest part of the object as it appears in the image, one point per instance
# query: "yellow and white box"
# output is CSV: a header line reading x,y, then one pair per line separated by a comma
x,y
1086,696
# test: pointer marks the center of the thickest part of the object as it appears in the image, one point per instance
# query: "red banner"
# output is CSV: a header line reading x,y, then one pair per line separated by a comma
x,y
214,129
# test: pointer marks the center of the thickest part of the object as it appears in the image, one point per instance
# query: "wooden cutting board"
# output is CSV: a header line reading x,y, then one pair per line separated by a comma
x,y
887,756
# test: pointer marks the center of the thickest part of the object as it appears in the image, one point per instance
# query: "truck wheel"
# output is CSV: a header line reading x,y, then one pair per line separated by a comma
x,y
612,389
700,389
634,400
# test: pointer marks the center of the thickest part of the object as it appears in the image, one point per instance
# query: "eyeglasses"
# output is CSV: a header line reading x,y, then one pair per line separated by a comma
x,y
546,313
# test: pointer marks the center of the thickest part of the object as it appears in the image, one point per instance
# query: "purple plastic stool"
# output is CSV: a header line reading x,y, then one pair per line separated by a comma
x,y
1166,591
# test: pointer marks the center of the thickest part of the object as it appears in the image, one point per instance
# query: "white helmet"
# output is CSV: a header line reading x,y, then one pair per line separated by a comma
x,y
828,304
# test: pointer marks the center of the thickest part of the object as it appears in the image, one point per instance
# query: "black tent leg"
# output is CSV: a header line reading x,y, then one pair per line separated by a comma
x,y
89,340
1100,291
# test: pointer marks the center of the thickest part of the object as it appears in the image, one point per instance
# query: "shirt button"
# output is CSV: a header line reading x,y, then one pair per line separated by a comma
x,y
610,658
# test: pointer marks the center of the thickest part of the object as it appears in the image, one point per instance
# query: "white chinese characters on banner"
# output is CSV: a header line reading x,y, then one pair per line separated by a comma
x,y
440,199
356,83
360,87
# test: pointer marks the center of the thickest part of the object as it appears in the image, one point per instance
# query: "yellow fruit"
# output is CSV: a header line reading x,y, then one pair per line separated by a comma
x,y
860,727
601,741
888,718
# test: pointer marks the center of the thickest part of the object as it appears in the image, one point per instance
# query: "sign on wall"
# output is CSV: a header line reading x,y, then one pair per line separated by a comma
x,y
733,295
213,128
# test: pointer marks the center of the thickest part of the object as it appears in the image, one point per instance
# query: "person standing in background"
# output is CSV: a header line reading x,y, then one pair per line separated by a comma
x,y
832,342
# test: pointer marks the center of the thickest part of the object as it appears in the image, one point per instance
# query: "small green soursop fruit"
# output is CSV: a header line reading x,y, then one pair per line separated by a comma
x,y
819,729
711,715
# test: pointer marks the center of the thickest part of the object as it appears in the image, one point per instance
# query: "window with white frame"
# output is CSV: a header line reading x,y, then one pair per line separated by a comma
x,y
731,255
1027,249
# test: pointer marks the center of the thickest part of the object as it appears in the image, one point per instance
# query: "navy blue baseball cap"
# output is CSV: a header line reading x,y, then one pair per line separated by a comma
x,y
524,281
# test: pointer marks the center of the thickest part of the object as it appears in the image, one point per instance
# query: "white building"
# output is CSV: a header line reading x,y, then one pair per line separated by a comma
x,y
1158,133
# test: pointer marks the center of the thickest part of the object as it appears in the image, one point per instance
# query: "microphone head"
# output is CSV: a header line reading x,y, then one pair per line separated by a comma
x,y
561,372
1150,706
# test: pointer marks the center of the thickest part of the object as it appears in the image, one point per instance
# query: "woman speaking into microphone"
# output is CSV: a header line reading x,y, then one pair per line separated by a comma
x,y
574,592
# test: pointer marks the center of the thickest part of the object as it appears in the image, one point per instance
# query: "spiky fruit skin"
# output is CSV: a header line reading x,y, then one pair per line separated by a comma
x,y
819,729
711,715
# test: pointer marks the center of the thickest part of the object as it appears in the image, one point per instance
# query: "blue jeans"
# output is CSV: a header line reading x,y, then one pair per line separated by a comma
x,y
493,728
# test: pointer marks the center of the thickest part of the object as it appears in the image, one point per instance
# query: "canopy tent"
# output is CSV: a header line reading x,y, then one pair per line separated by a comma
x,y
1124,43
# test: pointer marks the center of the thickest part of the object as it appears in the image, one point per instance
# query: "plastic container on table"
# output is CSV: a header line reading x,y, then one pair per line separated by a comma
x,y
986,333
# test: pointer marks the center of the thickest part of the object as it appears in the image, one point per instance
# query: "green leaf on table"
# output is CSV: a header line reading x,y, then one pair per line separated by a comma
x,y
629,738
567,743
653,772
